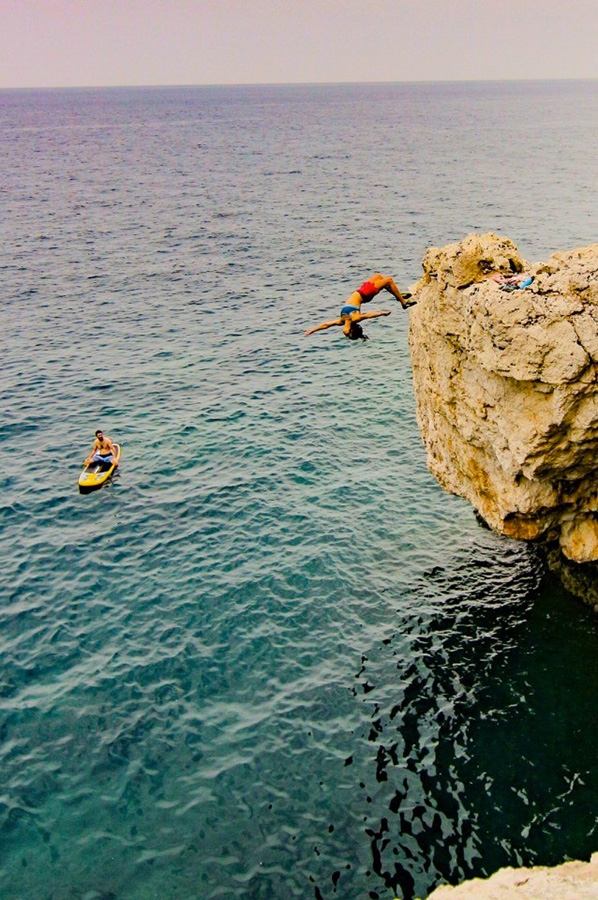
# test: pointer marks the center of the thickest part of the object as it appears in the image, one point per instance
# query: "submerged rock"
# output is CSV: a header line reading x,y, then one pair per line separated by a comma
x,y
506,384
579,580
570,881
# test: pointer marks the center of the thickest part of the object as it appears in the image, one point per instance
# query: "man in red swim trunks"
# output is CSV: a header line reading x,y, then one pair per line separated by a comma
x,y
351,314
376,283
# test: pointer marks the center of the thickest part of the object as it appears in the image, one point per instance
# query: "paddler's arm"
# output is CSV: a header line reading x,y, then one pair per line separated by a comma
x,y
325,325
93,450
113,452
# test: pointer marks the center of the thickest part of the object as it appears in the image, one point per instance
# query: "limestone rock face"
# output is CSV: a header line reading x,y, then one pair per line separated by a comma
x,y
571,881
506,385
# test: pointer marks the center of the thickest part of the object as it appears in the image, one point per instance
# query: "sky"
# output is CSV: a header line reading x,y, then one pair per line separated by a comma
x,y
80,43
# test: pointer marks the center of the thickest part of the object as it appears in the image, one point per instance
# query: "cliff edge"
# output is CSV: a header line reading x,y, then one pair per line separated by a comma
x,y
506,386
569,881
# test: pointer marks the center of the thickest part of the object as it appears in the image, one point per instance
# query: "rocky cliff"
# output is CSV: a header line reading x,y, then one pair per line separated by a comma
x,y
506,384
571,881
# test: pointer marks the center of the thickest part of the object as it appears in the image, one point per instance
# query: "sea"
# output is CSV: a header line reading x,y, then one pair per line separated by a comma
x,y
272,658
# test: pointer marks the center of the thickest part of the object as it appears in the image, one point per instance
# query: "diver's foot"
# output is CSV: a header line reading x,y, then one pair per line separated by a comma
x,y
409,303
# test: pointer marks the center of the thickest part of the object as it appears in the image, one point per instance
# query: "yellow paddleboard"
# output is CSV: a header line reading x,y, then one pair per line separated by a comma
x,y
97,473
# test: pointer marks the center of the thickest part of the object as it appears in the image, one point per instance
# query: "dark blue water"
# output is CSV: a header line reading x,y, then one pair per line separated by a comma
x,y
272,659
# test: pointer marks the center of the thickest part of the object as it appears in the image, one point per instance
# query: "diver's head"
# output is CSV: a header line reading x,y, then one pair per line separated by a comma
x,y
355,332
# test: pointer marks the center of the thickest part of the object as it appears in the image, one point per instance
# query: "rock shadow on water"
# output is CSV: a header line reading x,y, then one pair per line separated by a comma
x,y
472,765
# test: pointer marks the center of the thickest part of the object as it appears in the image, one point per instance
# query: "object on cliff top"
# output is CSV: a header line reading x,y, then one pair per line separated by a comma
x,y
472,260
507,387
513,282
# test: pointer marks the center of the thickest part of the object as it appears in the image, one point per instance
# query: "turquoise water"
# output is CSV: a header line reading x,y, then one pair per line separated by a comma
x,y
272,658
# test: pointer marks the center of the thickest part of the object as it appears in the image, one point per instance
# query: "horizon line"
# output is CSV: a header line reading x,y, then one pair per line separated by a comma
x,y
164,86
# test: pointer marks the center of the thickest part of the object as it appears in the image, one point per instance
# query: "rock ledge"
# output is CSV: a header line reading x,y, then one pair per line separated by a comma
x,y
506,385
570,881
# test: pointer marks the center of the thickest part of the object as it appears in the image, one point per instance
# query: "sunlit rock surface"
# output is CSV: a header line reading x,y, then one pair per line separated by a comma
x,y
570,881
506,385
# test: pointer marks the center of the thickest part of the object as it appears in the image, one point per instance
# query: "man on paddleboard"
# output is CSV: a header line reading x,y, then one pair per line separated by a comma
x,y
103,450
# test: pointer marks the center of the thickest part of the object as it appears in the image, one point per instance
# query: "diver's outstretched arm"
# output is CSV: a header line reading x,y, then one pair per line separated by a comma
x,y
325,325
374,314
